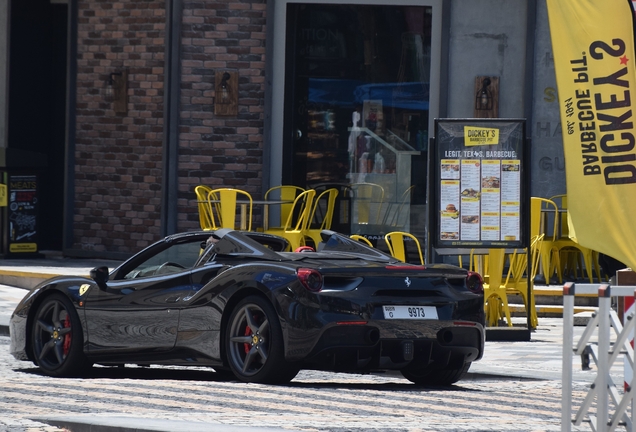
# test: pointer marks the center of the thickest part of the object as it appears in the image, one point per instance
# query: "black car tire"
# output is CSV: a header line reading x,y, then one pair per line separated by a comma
x,y
435,377
57,339
254,344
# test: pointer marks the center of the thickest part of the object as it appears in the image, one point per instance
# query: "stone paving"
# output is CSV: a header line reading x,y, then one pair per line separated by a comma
x,y
515,387
314,401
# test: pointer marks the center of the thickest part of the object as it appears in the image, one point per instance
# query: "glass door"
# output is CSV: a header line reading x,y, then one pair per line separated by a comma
x,y
357,80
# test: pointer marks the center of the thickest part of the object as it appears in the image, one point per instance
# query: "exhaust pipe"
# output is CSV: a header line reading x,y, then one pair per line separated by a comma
x,y
372,336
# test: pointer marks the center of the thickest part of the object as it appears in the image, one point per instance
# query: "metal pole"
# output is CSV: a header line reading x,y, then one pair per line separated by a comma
x,y
602,396
172,78
568,342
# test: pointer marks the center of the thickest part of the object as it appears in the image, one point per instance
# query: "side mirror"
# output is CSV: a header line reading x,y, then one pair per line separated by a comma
x,y
100,275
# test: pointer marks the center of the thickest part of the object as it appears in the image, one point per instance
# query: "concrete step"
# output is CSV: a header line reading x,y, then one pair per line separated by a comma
x,y
548,311
549,303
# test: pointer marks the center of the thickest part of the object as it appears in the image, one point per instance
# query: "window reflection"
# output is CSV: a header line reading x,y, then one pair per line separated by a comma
x,y
356,109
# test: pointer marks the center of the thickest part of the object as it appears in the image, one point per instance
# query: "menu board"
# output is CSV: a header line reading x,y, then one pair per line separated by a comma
x,y
22,213
479,185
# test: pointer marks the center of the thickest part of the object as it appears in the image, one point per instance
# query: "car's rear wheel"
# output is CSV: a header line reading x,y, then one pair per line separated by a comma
x,y
57,338
438,377
254,343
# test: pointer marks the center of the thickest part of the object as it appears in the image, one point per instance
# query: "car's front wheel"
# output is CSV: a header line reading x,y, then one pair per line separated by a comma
x,y
436,377
254,343
57,339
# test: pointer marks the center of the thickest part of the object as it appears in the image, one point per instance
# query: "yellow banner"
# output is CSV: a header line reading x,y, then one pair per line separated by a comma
x,y
593,44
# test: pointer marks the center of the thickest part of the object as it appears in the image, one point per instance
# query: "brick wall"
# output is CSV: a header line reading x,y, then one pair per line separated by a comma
x,y
118,156
220,151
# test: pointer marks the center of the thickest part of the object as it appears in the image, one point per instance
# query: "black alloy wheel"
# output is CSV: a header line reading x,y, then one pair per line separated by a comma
x,y
254,343
57,338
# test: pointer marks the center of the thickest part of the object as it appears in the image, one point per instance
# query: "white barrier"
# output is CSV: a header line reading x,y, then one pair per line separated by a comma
x,y
603,387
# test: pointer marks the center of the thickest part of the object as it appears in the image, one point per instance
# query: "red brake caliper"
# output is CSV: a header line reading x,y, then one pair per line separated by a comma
x,y
248,331
67,337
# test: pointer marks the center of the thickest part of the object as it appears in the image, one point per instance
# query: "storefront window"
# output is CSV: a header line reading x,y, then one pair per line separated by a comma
x,y
357,109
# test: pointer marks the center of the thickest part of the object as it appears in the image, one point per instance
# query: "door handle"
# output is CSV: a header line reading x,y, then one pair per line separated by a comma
x,y
173,299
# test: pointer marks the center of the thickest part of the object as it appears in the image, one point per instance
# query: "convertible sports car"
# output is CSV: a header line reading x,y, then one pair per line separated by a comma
x,y
233,301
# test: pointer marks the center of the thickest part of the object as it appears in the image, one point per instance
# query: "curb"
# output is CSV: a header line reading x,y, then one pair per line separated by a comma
x,y
139,424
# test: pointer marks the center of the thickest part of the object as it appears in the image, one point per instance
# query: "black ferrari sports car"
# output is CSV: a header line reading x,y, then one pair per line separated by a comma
x,y
235,302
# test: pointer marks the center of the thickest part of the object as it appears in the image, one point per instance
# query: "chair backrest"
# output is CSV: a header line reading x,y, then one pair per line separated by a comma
x,y
518,265
537,219
397,247
342,208
366,194
322,212
302,207
562,202
535,255
284,193
206,218
227,198
361,239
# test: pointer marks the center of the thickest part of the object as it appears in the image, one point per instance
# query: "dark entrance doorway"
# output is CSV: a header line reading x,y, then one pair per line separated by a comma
x,y
37,107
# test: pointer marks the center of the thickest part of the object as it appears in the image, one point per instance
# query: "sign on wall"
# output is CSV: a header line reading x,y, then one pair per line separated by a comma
x,y
22,213
478,184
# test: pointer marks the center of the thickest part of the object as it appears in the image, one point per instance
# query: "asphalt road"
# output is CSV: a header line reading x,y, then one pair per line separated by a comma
x,y
314,401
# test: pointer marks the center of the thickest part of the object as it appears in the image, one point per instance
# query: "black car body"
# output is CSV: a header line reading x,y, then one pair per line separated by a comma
x,y
242,306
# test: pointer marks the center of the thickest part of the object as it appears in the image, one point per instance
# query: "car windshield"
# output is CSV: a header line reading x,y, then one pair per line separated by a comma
x,y
168,256
340,243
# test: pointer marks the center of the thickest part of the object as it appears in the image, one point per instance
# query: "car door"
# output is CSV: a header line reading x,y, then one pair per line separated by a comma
x,y
137,313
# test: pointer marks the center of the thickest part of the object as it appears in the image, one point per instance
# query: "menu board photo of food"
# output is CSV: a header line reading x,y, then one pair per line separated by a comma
x,y
479,193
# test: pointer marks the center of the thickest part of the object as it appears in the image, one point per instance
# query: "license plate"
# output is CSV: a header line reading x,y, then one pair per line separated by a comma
x,y
410,312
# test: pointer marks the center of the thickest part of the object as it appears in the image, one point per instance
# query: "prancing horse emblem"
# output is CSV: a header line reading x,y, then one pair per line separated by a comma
x,y
407,281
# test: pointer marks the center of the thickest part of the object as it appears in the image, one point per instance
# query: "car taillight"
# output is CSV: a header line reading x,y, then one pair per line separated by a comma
x,y
405,267
474,282
310,278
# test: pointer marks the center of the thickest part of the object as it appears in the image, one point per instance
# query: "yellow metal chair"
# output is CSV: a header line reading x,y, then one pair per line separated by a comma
x,y
323,211
361,239
572,255
227,199
395,241
520,277
283,193
549,254
365,196
206,217
296,230
495,295
497,287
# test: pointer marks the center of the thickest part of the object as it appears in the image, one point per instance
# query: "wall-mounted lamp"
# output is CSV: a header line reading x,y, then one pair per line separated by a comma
x,y
226,93
483,99
117,91
486,97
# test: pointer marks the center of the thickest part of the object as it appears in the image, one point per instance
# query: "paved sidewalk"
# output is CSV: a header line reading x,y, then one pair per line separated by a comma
x,y
537,359
27,273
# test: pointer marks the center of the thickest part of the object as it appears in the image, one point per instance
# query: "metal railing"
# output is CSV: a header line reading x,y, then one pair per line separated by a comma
x,y
603,388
